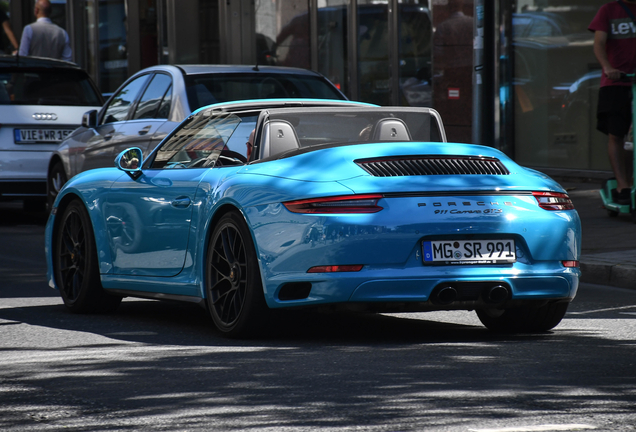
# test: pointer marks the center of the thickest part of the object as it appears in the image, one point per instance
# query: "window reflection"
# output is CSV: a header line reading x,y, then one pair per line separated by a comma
x,y
89,18
453,63
373,54
282,33
148,33
113,49
556,82
333,55
415,29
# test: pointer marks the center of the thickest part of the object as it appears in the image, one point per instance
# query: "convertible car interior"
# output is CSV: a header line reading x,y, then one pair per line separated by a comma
x,y
217,138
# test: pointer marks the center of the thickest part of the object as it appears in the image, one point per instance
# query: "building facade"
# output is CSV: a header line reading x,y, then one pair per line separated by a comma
x,y
517,75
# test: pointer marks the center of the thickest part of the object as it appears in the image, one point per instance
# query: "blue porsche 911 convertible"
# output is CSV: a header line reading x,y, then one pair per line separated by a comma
x,y
246,208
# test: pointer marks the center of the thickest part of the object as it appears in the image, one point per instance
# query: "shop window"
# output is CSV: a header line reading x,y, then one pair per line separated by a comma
x,y
282,33
453,67
333,55
556,81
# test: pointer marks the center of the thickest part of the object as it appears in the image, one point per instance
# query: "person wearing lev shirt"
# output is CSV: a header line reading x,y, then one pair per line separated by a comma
x,y
615,48
43,38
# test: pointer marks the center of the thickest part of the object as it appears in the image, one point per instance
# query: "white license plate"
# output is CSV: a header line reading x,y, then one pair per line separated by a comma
x,y
40,136
501,251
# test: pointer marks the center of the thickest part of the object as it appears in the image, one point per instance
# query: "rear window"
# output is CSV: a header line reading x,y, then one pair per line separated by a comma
x,y
209,89
22,86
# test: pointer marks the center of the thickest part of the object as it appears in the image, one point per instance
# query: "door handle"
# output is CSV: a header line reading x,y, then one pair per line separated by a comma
x,y
145,130
181,202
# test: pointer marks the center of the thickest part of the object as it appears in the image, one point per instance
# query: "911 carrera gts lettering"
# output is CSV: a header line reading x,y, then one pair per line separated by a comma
x,y
456,211
466,211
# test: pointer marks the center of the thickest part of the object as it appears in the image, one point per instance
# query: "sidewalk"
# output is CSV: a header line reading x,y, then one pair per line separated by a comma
x,y
609,243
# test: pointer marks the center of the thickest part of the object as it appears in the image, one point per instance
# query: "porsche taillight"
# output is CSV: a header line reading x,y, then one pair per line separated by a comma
x,y
335,269
340,204
553,201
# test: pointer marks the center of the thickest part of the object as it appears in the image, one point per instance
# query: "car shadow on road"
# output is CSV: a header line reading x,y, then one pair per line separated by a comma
x,y
162,365
168,323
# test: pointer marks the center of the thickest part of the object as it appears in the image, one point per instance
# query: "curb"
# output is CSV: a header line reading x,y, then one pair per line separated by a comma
x,y
616,275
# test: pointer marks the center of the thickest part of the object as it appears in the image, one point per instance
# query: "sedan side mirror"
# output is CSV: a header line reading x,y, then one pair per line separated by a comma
x,y
130,161
89,119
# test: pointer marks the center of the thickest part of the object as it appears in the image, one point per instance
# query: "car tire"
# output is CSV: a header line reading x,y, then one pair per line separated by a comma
x,y
75,263
234,289
525,319
56,179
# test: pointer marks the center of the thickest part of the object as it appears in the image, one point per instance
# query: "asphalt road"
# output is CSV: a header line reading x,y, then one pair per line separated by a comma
x,y
157,366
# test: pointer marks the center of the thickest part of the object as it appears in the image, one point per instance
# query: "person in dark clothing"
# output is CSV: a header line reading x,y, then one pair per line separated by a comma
x,y
615,48
6,26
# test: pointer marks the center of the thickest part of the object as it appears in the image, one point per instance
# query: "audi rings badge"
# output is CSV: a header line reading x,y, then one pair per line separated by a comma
x,y
45,116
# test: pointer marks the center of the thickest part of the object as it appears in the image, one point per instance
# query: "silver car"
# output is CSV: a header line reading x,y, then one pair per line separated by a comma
x,y
41,103
155,100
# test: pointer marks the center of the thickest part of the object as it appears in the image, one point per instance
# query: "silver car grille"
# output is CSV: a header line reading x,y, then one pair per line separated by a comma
x,y
432,165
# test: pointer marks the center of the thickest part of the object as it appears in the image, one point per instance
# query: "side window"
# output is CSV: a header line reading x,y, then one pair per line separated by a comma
x,y
166,104
120,104
152,98
198,142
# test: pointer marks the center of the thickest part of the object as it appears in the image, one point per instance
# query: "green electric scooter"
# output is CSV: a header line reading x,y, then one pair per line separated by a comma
x,y
613,208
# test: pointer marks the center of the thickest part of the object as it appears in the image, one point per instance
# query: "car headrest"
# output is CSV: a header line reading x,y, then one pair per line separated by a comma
x,y
282,137
391,129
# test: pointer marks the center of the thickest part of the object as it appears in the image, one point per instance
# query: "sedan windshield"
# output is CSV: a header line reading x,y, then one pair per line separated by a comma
x,y
46,86
209,89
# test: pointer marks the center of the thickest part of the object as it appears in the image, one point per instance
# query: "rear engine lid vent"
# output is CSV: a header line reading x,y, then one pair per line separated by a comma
x,y
432,165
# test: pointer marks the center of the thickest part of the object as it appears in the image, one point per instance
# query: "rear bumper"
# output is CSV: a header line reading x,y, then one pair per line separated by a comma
x,y
417,289
21,189
23,173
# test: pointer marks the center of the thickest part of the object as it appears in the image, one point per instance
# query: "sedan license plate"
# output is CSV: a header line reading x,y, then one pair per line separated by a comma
x,y
501,251
40,136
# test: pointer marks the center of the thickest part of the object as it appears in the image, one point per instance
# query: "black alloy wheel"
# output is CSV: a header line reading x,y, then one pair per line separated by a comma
x,y
75,263
233,282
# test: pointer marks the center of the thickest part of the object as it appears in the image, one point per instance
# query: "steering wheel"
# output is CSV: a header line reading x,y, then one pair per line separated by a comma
x,y
232,157
176,165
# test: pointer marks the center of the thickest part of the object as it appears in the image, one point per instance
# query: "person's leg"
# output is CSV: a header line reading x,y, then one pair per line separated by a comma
x,y
619,157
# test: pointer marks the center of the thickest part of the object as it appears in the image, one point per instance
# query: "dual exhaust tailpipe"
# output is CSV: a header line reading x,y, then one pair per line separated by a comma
x,y
492,293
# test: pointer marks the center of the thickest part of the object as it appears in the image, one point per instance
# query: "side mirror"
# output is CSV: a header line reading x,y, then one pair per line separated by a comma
x,y
89,119
130,161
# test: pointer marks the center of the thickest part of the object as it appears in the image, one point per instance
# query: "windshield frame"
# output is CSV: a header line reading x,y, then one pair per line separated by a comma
x,y
433,131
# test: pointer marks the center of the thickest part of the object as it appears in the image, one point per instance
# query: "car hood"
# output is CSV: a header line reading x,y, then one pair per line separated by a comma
x,y
24,115
338,164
